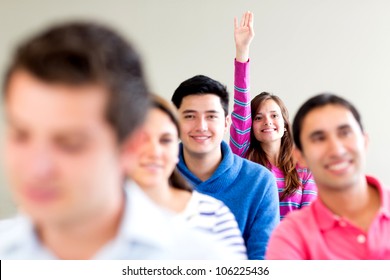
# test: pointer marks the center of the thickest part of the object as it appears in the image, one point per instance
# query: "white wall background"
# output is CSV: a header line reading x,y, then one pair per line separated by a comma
x,y
301,48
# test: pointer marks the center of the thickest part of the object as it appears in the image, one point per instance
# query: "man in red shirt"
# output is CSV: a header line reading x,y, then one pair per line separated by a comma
x,y
351,217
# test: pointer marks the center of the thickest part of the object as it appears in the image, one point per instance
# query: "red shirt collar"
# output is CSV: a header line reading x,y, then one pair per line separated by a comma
x,y
327,220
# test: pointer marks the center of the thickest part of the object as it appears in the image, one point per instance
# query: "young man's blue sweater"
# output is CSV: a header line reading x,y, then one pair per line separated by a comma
x,y
249,190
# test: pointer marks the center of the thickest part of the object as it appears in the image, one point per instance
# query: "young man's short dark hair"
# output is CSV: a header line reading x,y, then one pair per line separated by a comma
x,y
199,85
317,101
82,53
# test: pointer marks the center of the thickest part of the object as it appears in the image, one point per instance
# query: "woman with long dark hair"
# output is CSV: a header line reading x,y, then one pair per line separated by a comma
x,y
261,131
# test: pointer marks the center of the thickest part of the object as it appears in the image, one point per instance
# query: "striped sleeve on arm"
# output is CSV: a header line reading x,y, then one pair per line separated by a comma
x,y
216,217
227,229
241,116
309,191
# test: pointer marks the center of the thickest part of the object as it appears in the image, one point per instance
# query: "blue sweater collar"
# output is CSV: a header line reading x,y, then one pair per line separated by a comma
x,y
224,176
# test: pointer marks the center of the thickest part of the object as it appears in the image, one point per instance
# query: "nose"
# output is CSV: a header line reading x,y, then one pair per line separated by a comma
x,y
201,124
153,148
268,121
41,163
336,146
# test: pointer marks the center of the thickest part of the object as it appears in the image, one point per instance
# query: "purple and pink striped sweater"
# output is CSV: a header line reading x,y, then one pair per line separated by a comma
x,y
240,140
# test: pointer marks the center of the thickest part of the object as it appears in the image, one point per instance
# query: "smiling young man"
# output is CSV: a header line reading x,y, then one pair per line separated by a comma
x,y
351,217
247,188
74,97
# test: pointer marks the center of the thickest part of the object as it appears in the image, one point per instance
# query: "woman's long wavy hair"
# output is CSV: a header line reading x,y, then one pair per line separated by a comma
x,y
176,180
286,161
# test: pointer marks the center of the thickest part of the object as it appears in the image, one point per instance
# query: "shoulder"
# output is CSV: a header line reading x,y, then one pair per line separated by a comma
x,y
296,218
304,174
301,169
201,197
209,213
294,224
9,227
292,234
208,203
15,233
384,191
247,164
254,171
195,244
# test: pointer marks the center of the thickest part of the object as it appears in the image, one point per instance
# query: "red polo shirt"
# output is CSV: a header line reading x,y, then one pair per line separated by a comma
x,y
316,233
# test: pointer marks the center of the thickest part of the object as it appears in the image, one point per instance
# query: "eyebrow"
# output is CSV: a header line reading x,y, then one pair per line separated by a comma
x,y
10,120
13,124
344,126
273,111
320,132
195,111
78,133
168,134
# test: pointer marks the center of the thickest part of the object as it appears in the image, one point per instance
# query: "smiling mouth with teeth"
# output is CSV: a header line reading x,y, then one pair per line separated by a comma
x,y
152,165
201,137
338,166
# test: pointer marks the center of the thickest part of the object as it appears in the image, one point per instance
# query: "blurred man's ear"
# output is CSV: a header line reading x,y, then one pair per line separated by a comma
x,y
129,150
366,140
227,123
298,156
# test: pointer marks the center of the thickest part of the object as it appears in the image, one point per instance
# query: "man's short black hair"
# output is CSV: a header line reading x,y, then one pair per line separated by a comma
x,y
78,53
200,85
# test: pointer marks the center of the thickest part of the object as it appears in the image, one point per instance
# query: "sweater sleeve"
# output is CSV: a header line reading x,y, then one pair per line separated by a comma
x,y
241,116
266,219
309,187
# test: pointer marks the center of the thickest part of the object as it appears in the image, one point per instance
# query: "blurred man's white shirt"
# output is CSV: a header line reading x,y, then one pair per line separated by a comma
x,y
146,232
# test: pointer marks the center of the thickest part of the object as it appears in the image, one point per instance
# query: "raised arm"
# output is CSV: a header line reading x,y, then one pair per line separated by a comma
x,y
241,115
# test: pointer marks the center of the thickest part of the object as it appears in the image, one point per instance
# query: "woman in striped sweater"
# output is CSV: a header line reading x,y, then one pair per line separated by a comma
x,y
260,130
154,170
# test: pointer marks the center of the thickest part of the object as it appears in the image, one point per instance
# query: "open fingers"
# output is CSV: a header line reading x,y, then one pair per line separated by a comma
x,y
246,19
250,19
242,23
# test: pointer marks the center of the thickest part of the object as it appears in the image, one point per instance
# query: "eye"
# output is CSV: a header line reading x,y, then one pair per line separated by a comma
x,y
317,138
19,136
258,118
71,145
189,117
212,117
166,140
345,132
275,116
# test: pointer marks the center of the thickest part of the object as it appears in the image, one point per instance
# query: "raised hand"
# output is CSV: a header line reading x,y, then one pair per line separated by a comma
x,y
243,35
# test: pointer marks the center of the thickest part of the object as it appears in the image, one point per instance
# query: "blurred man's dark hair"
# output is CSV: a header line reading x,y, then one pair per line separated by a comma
x,y
82,53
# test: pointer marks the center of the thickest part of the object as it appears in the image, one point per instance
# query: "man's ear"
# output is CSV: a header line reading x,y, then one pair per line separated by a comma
x,y
366,140
129,149
227,123
299,157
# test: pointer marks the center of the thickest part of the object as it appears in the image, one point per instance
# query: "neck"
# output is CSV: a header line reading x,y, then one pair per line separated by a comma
x,y
83,238
202,165
272,151
358,204
168,197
